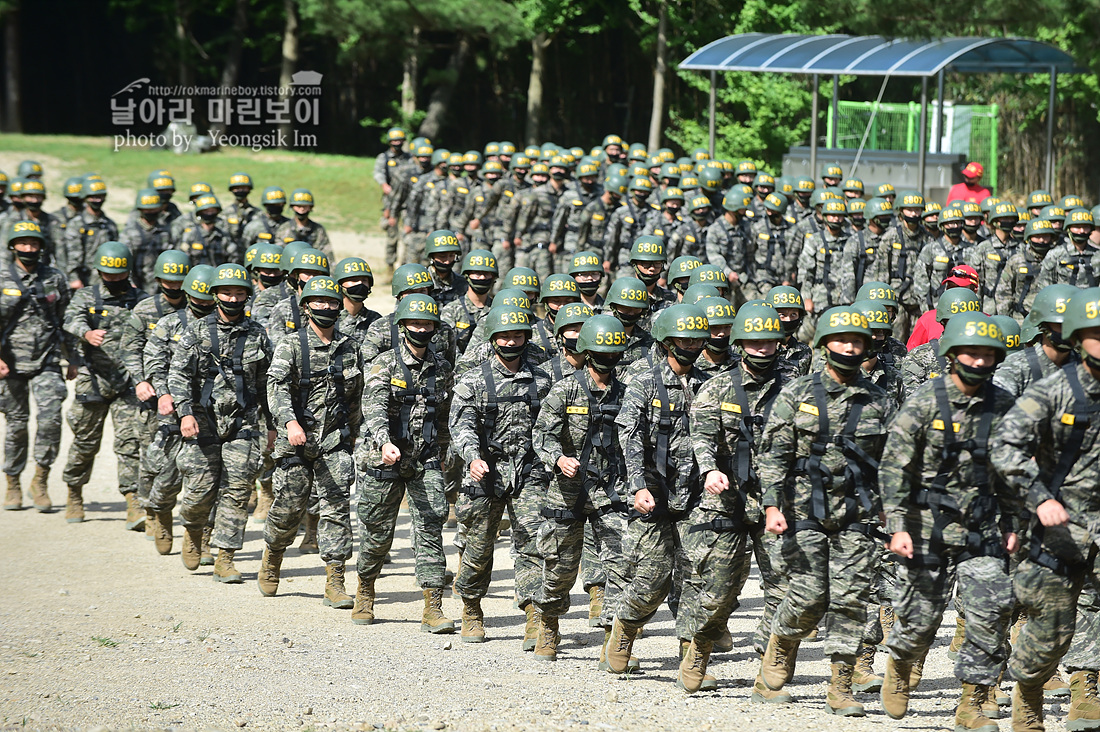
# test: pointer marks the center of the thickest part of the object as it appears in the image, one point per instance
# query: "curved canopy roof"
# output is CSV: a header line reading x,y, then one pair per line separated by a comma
x,y
877,56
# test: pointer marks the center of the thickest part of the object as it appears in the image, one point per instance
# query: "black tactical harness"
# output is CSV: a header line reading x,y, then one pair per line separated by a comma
x,y
128,301
407,398
232,372
492,450
36,293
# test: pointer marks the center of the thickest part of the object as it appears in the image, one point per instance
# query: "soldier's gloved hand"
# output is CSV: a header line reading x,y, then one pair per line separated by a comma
x,y
71,371
165,405
716,482
568,466
145,391
643,501
774,520
4,370
295,435
478,470
95,337
391,453
189,427
1052,513
901,544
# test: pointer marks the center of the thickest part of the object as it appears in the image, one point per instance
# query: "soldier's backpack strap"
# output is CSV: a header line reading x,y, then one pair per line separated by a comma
x,y
407,397
901,266
159,305
941,362
234,375
989,289
36,293
667,416
555,367
546,340
491,448
861,260
1029,280
1080,420
1032,359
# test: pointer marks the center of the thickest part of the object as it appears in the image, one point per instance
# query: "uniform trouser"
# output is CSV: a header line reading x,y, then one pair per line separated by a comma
x,y
379,504
538,258
330,476
148,432
903,323
166,482
765,546
649,548
827,573
414,247
922,595
86,420
219,474
561,546
593,573
392,236
882,594
480,516
1084,650
1051,601
49,393
719,563
506,259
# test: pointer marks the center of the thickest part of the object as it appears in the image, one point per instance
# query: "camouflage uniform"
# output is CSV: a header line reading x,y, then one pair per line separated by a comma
x,y
319,385
212,247
775,256
312,233
688,240
626,225
655,394
499,219
797,354
266,300
533,227
53,248
83,235
285,317
382,333
32,343
990,258
827,550
464,318
893,260
577,420
357,325
417,216
923,363
262,227
955,513
592,226
1018,285
145,243
482,351
386,167
502,436
1069,264
158,461
934,266
727,420
1034,446
729,247
226,392
1025,367
103,385
234,219
447,291
639,346
826,275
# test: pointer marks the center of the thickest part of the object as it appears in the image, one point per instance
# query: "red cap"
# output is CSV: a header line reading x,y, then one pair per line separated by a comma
x,y
973,170
963,275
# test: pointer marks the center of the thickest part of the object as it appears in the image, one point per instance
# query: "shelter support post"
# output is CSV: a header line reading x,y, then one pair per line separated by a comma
x,y
922,133
813,129
836,112
1049,178
713,97
941,115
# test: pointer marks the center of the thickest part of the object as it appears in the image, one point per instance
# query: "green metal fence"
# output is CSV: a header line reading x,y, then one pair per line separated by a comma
x,y
972,130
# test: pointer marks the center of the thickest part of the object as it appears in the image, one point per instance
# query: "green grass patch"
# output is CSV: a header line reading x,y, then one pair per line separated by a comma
x,y
105,642
346,194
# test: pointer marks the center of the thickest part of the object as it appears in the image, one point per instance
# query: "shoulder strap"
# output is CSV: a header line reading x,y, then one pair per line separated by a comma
x,y
1033,363
600,436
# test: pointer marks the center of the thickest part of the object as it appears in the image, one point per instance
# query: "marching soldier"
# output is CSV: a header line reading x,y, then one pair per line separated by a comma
x,y
86,232
302,227
386,167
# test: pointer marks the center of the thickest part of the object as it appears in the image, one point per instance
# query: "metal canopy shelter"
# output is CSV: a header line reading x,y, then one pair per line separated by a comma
x,y
787,53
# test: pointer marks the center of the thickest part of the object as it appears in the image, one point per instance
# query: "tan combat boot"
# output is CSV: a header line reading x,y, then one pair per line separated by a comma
x,y
546,649
268,576
1084,706
1055,686
135,514
473,622
363,611
263,503
225,570
777,666
150,529
917,672
531,628
206,557
335,594
693,668
710,683
452,517
162,531
595,606
864,678
886,622
724,644
895,688
433,620
74,507
968,715
839,699
309,536
40,489
618,647
1027,708
991,707
761,694
13,499
191,553
957,639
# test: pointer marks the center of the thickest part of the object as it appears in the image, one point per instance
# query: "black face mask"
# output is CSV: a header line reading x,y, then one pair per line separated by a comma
x,y
718,344
509,353
876,346
588,186
974,375
1092,361
844,364
119,287
94,205
274,211
1017,235
1078,238
953,231
588,288
418,340
760,364
790,327
648,279
480,286
834,226
970,228
271,280
298,283
169,293
627,319
201,308
685,356
551,313
569,344
911,220
357,293
1060,344
323,317
558,176
29,259
640,200
603,363
33,205
442,267
208,218
240,195
232,309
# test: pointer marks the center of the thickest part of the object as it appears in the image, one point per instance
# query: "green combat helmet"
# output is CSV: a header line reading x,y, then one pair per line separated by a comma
x,y
514,297
480,260
1050,306
417,307
112,257
842,319
350,268
197,283
628,292
682,321
585,262
1082,313
878,315
680,271
410,277
308,260
972,329
695,293
148,200
572,314
25,230
602,340
172,265
199,189
301,197
504,318
240,180
290,250
718,310
29,169
878,291
559,285
1011,330
231,275
956,300
776,203
274,196
756,322
523,278
785,296
73,187
322,286
160,180
648,248
441,241
709,274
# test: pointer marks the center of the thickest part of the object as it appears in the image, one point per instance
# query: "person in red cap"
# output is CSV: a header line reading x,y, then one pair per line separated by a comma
x,y
927,327
971,189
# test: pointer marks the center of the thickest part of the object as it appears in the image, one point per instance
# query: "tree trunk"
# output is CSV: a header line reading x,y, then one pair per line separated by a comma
x,y
232,69
440,101
183,32
410,74
539,44
12,77
290,61
660,71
